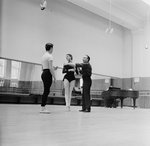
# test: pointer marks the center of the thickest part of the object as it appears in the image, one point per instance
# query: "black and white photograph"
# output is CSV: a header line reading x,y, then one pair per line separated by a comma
x,y
74,72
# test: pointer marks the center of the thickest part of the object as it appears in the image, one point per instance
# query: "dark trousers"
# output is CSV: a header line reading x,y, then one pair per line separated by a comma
x,y
86,100
47,82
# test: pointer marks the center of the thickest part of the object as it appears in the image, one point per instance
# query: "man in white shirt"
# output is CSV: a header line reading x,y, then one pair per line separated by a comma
x,y
48,75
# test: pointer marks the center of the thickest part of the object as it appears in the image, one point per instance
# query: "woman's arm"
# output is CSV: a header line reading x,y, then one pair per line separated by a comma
x,y
68,67
65,70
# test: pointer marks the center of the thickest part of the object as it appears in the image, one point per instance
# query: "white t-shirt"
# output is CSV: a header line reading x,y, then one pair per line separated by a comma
x,y
45,60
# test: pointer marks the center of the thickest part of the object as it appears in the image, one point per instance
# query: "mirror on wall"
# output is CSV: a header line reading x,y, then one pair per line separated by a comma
x,y
15,71
19,76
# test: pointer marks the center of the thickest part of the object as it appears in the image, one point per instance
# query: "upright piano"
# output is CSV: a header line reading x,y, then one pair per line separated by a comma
x,y
117,93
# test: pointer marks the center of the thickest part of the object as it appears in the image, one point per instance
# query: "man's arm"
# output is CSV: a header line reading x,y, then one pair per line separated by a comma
x,y
51,68
78,65
78,68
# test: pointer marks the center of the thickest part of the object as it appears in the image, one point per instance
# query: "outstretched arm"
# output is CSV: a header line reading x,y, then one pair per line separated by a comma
x,y
55,67
68,67
78,67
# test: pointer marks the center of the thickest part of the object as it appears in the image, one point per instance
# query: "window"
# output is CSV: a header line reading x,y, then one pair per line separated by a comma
x,y
2,68
15,70
1,82
15,73
14,83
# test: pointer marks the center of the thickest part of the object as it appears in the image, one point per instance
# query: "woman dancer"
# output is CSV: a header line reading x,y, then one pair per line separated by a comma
x,y
69,80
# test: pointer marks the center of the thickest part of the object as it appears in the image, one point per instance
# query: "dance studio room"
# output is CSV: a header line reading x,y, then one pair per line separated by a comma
x,y
74,72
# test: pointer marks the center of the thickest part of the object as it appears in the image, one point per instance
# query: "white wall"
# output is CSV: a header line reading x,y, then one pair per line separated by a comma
x,y
136,58
127,53
146,52
0,25
26,29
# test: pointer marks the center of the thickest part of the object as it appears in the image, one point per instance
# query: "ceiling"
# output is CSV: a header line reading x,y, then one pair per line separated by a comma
x,y
128,13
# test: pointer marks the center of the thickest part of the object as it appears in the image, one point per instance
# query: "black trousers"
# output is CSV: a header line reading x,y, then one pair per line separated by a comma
x,y
86,100
47,82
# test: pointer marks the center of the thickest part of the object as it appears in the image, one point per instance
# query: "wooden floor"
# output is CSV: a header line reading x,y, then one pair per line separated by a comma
x,y
23,125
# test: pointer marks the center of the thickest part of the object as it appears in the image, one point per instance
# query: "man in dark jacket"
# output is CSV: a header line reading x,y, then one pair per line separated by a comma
x,y
86,71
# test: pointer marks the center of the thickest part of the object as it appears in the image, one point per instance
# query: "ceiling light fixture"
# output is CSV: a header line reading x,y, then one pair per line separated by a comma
x,y
43,5
109,29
